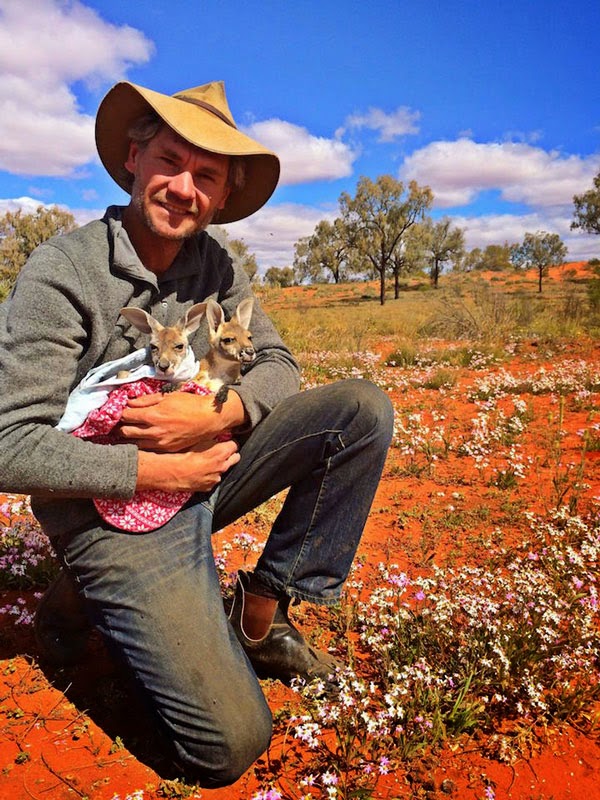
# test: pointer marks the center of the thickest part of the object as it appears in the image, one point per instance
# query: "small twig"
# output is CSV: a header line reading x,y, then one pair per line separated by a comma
x,y
62,778
45,715
35,797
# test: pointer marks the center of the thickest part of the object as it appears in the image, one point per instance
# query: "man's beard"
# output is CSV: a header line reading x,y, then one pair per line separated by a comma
x,y
138,202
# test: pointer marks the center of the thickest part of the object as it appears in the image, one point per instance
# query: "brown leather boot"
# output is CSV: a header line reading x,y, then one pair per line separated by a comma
x,y
61,625
275,647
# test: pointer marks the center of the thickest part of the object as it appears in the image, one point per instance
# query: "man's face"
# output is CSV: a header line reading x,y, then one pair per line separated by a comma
x,y
177,188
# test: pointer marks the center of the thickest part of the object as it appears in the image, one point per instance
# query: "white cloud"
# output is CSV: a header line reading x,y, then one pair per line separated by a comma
x,y
27,204
457,171
304,158
400,122
272,232
45,46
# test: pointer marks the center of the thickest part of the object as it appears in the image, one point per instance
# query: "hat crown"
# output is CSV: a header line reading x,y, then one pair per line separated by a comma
x,y
211,97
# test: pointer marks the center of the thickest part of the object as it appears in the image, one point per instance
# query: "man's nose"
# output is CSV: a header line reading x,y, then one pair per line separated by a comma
x,y
182,184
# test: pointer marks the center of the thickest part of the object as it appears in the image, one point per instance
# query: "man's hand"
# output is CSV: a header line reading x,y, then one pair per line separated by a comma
x,y
179,421
198,471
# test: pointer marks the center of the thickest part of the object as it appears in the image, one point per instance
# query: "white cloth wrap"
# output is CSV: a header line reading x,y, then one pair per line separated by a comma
x,y
93,390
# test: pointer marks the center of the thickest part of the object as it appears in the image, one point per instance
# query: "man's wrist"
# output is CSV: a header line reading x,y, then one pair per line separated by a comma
x,y
235,412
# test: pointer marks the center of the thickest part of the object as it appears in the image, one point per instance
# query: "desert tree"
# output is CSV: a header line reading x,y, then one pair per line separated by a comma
x,y
587,209
494,257
444,244
378,216
540,250
238,251
327,253
471,260
410,256
21,233
280,276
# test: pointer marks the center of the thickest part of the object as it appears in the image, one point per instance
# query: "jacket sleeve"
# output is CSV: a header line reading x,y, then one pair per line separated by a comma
x,y
274,373
43,332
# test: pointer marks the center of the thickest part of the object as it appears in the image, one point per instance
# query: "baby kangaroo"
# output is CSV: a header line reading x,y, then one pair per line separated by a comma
x,y
168,344
230,347
230,343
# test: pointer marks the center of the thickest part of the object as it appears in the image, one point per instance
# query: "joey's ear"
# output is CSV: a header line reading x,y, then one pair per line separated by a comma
x,y
141,320
192,319
243,312
214,315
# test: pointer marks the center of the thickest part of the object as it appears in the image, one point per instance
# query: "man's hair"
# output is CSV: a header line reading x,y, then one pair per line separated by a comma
x,y
145,128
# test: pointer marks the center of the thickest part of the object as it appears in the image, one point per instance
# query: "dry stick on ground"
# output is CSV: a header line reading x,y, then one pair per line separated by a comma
x,y
62,778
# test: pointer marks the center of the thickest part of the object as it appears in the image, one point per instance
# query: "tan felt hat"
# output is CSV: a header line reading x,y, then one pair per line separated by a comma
x,y
202,117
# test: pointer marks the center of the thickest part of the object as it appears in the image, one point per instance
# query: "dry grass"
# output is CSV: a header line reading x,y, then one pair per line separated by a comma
x,y
349,318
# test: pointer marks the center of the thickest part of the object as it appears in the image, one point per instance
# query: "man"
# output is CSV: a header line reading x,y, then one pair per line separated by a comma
x,y
155,596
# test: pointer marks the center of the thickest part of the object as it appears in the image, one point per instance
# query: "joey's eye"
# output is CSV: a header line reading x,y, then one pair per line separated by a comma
x,y
154,348
179,347
228,340
249,336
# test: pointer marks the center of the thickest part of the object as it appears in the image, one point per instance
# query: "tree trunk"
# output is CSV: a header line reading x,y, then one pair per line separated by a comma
x,y
382,287
540,280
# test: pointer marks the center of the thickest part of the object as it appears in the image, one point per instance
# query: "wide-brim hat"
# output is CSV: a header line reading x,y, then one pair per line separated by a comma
x,y
202,117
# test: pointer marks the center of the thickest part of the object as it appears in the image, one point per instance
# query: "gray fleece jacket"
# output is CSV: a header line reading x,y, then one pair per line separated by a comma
x,y
62,319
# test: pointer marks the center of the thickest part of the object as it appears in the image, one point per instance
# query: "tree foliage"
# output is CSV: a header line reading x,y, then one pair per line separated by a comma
x,y
327,253
444,244
494,258
280,276
540,250
410,256
238,251
21,233
587,209
379,215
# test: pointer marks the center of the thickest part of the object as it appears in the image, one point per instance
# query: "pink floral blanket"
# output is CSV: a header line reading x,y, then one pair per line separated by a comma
x,y
146,510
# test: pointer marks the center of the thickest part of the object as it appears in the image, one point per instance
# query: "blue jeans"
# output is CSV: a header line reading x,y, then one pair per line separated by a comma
x,y
155,596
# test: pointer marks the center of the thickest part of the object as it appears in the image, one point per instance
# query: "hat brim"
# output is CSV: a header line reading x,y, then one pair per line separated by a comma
x,y
126,102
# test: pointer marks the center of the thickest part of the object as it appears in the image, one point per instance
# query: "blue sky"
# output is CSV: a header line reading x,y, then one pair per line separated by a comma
x,y
494,105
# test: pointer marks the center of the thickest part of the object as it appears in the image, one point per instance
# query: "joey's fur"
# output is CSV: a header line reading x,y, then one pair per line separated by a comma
x,y
168,344
230,346
230,343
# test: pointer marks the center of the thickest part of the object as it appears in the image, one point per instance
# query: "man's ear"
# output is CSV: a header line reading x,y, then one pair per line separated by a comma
x,y
134,149
226,193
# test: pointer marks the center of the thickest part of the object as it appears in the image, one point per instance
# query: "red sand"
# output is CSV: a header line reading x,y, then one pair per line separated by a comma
x,y
52,748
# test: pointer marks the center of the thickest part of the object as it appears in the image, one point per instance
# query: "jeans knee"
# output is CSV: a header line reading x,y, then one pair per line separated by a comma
x,y
374,409
223,761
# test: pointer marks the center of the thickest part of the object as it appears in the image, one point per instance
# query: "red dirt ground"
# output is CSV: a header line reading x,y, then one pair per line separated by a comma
x,y
78,733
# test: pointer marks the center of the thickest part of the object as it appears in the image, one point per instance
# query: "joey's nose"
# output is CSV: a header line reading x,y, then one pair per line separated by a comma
x,y
164,365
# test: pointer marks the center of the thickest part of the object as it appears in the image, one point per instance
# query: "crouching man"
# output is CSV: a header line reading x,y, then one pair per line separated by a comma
x,y
155,596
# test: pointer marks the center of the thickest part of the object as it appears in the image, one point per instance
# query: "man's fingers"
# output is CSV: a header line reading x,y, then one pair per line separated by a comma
x,y
145,400
232,460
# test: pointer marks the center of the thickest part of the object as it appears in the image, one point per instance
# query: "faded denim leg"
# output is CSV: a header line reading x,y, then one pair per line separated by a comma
x,y
329,446
156,599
